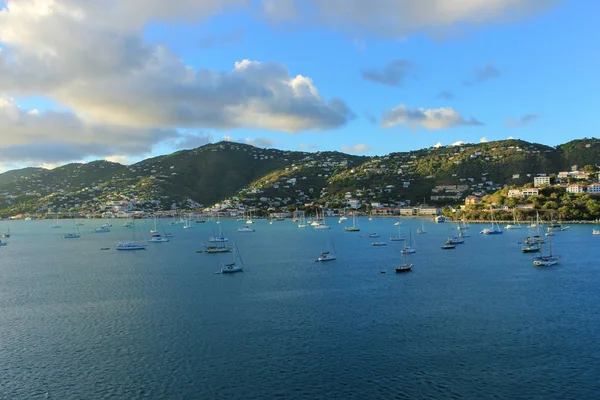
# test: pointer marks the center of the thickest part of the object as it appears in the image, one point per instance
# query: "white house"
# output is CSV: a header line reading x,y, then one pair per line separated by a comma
x,y
575,189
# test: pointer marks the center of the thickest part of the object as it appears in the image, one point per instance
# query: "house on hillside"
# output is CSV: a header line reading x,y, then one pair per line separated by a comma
x,y
541,181
470,200
575,188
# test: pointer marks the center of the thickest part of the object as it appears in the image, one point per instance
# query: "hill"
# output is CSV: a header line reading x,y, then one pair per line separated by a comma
x,y
245,175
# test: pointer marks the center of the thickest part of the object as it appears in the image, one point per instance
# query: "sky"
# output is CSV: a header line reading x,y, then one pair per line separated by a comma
x,y
124,80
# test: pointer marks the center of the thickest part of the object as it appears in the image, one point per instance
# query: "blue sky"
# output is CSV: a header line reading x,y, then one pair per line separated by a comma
x,y
156,79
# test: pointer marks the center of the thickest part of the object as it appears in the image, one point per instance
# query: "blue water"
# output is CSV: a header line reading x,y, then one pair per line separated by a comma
x,y
477,322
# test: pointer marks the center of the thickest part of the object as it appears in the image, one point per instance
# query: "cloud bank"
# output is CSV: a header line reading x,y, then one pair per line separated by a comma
x,y
430,119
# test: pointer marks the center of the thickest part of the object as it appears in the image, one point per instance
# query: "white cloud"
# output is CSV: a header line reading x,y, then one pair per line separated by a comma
x,y
459,143
304,146
356,149
54,137
118,159
92,57
438,145
259,142
431,119
510,138
400,18
483,140
522,121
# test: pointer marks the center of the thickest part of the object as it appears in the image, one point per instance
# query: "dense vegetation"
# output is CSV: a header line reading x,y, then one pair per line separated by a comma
x,y
228,170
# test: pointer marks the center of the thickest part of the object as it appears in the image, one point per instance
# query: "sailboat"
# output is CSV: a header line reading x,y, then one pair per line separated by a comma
x,y
188,223
73,235
421,230
157,238
397,238
249,220
409,249
406,267
219,238
354,227
371,216
326,255
154,230
515,224
303,223
55,224
495,229
321,224
546,261
131,245
232,267
245,228
7,233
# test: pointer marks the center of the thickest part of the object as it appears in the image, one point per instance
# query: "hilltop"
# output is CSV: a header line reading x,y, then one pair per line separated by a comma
x,y
242,175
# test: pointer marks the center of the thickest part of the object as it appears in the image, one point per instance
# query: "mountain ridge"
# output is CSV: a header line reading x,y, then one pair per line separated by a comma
x,y
247,174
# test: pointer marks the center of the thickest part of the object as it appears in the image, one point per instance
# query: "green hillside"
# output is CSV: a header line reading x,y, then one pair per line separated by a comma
x,y
275,178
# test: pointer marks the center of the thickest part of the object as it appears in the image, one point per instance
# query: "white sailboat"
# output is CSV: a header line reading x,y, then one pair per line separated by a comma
x,y
154,229
55,224
546,261
326,255
321,224
232,266
249,220
515,224
74,234
354,227
421,230
302,223
409,249
131,245
188,223
495,229
218,238
397,238
7,233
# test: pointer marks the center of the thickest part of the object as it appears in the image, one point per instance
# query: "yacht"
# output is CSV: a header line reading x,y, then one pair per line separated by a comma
x,y
130,246
157,238
245,228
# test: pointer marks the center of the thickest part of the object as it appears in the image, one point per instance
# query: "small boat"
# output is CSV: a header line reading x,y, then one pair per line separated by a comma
x,y
220,237
105,248
408,249
354,227
71,236
378,244
515,224
3,243
595,231
495,229
421,230
448,246
373,235
157,238
102,230
6,234
213,249
232,266
130,246
530,248
546,261
128,225
397,223
326,255
455,240
245,228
